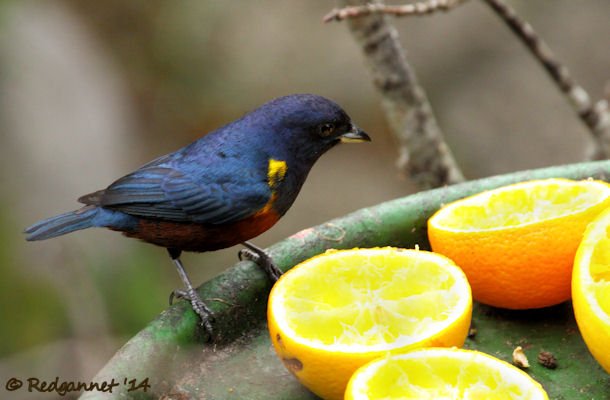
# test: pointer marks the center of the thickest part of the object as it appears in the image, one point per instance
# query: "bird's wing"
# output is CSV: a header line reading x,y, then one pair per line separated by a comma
x,y
167,193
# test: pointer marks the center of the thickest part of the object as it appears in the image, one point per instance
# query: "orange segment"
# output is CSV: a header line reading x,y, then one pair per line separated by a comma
x,y
591,288
517,243
332,313
439,373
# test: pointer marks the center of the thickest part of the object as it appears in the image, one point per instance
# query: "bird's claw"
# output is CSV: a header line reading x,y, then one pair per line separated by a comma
x,y
176,295
201,309
245,255
260,257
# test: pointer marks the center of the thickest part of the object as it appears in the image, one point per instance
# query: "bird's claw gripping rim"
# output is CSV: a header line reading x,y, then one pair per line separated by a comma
x,y
206,315
259,256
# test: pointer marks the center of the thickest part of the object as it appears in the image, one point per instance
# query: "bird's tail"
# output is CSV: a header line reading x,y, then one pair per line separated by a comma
x,y
62,224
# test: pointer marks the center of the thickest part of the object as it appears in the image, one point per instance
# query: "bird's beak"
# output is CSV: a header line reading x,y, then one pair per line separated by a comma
x,y
355,135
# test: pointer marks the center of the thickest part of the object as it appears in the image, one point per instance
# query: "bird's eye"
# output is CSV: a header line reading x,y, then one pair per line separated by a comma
x,y
326,130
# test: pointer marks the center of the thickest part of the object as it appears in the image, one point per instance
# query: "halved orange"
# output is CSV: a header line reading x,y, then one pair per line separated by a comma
x,y
334,312
517,243
440,373
591,288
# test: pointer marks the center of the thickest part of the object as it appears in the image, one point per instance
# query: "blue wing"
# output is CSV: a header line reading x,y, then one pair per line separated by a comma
x,y
162,191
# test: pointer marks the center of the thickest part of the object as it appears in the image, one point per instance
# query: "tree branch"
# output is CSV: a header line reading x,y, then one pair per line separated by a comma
x,y
424,155
419,8
594,115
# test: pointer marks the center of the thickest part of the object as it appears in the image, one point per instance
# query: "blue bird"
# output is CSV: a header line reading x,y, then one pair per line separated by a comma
x,y
224,189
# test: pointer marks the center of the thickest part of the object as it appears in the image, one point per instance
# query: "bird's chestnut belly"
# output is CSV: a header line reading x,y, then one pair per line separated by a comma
x,y
202,237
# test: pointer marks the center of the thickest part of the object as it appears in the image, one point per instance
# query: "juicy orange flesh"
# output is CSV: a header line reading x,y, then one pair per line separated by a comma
x,y
600,272
520,206
382,302
443,377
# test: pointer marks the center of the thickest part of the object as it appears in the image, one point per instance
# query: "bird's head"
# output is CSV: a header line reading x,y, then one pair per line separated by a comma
x,y
308,125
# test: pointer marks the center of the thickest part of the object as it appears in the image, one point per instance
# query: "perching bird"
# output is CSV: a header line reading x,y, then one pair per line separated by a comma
x,y
221,190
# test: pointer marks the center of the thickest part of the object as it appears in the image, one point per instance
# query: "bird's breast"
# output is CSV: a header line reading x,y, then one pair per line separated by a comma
x,y
285,179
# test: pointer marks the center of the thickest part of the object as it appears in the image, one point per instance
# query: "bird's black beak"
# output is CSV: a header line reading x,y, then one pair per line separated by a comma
x,y
355,135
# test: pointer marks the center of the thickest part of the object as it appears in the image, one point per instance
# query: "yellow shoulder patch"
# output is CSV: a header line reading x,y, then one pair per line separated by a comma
x,y
276,171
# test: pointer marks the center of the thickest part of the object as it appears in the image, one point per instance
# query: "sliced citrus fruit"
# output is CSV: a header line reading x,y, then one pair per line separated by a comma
x,y
591,288
334,312
517,243
438,373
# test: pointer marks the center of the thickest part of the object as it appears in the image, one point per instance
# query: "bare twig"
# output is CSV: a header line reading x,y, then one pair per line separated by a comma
x,y
594,115
425,157
419,8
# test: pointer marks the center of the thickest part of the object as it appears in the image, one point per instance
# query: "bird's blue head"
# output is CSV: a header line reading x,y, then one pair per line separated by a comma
x,y
304,126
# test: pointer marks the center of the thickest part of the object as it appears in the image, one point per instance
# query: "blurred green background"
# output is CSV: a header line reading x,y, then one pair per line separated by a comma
x,y
91,90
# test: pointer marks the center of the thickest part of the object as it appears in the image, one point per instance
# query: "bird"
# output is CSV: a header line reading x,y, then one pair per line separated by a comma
x,y
221,190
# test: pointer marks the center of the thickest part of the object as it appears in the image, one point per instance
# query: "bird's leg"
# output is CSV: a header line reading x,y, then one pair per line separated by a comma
x,y
259,256
190,294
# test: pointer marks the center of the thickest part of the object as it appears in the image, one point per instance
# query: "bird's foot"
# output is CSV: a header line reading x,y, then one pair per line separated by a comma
x,y
200,308
260,257
204,313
